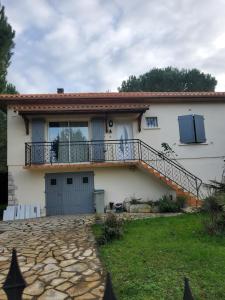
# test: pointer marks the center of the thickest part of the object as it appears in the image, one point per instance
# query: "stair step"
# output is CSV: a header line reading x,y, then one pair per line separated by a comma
x,y
191,199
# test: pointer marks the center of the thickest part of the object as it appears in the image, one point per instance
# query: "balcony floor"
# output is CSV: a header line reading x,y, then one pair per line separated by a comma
x,y
80,166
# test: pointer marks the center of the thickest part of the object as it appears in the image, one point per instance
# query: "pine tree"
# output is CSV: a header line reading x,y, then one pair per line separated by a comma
x,y
7,35
169,80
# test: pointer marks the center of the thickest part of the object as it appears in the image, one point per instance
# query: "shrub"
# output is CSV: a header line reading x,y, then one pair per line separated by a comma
x,y
216,186
112,229
214,206
167,205
181,200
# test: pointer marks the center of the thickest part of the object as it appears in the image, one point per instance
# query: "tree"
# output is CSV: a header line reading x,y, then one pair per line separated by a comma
x,y
7,35
3,141
169,80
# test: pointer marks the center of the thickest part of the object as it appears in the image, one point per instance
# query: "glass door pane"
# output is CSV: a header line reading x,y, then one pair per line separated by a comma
x,y
53,135
64,139
79,151
59,136
69,141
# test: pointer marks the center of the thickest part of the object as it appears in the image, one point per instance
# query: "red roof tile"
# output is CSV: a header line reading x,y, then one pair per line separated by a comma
x,y
115,95
128,97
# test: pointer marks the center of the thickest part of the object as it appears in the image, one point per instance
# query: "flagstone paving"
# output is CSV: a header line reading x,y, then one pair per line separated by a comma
x,y
57,257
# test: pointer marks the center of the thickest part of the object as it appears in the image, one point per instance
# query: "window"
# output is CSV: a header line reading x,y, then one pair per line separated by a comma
x,y
192,129
69,180
64,138
151,122
68,131
53,181
85,179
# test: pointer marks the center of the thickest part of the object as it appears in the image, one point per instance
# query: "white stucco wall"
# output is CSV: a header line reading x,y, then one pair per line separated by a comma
x,y
204,160
16,139
123,183
119,184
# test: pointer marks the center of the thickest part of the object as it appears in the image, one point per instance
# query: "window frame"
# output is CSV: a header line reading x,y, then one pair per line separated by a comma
x,y
85,179
69,180
68,122
53,181
57,120
151,128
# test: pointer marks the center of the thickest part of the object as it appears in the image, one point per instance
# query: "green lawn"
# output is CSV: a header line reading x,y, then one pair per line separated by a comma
x,y
154,255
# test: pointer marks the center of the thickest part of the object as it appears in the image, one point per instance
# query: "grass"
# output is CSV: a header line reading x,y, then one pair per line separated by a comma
x,y
154,255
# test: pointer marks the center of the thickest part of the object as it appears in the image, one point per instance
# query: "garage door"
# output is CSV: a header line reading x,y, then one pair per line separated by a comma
x,y
69,193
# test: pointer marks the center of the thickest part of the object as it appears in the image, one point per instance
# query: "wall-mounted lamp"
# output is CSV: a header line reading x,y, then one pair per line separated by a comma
x,y
110,123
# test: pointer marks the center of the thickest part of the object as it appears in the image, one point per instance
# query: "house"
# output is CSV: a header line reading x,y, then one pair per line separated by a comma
x,y
62,147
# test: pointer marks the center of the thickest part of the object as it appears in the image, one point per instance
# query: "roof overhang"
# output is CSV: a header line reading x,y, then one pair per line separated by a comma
x,y
28,110
115,98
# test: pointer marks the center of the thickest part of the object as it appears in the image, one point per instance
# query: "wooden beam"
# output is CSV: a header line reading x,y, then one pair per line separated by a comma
x,y
58,112
106,123
139,121
26,123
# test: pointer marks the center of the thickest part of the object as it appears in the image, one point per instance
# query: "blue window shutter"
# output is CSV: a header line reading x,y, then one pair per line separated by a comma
x,y
38,130
98,129
38,136
186,128
199,129
98,132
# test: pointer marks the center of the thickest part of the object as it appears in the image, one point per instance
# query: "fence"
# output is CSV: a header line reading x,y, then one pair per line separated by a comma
x,y
15,284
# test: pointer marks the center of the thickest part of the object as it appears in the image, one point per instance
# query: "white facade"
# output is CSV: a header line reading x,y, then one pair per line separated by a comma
x,y
205,160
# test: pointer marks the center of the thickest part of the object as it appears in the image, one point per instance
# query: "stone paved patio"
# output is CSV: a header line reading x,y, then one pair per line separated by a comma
x,y
57,257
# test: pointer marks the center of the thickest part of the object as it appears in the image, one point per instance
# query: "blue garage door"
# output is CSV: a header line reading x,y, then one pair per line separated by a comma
x,y
69,193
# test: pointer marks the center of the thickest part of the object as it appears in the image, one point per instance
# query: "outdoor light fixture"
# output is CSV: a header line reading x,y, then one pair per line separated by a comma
x,y
110,123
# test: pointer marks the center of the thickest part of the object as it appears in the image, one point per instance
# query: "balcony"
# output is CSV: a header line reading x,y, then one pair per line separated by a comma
x,y
73,153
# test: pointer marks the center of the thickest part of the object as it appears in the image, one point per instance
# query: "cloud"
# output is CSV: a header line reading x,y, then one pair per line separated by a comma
x,y
92,45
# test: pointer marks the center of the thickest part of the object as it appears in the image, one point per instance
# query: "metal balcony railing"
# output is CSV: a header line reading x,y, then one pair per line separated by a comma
x,y
110,151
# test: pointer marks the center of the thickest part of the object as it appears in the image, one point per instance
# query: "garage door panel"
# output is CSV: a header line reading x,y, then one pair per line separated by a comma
x,y
77,193
78,196
68,189
54,194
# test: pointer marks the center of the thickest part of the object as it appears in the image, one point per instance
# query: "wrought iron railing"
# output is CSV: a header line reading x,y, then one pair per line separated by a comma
x,y
111,150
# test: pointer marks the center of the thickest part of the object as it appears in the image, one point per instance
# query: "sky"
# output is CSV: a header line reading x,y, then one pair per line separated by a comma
x,y
93,45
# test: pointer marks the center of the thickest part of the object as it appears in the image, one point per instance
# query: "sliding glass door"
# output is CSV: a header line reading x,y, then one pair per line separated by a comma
x,y
69,141
79,150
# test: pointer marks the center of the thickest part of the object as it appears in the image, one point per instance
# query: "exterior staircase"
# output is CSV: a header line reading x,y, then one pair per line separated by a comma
x,y
183,182
192,200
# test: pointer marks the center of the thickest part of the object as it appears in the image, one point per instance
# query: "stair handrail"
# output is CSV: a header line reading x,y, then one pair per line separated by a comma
x,y
172,161
197,180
